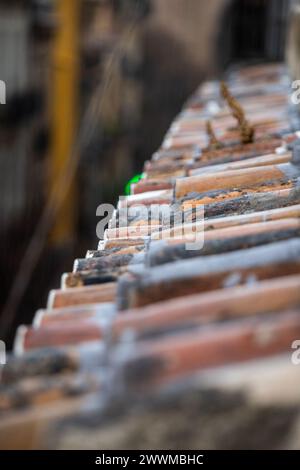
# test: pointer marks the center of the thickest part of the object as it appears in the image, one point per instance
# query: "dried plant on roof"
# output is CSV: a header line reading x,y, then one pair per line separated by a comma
x,y
214,143
246,130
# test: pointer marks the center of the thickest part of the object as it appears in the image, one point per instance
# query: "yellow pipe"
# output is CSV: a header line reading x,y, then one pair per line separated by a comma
x,y
64,89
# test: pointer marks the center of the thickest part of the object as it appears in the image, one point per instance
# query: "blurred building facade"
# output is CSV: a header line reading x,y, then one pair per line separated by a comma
x,y
63,62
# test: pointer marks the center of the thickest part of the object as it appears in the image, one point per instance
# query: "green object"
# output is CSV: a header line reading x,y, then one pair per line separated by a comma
x,y
134,179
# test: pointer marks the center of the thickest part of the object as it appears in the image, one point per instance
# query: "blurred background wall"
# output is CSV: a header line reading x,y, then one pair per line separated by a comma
x,y
92,86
